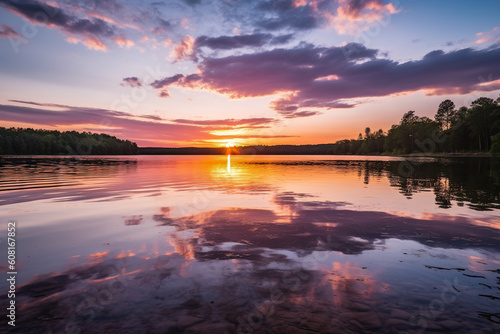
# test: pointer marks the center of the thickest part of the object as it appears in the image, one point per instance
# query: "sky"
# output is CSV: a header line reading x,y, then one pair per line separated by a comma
x,y
179,73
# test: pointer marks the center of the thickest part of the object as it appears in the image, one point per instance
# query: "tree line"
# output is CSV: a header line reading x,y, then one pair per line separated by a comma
x,y
30,141
241,150
467,129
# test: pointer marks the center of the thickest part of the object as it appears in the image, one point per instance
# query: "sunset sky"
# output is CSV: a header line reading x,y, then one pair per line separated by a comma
x,y
209,72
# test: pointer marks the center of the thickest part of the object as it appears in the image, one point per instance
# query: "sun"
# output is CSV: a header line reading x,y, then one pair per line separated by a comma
x,y
229,144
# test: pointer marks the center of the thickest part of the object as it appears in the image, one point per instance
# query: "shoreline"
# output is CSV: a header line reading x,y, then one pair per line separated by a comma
x,y
411,155
448,155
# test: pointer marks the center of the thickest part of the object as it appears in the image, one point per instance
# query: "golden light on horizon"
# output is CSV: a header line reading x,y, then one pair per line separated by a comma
x,y
229,144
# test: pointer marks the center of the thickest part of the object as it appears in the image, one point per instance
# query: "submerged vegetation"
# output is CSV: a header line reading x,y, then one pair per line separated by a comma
x,y
30,141
473,129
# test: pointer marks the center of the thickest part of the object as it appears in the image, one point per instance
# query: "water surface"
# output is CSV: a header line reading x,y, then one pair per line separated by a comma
x,y
254,244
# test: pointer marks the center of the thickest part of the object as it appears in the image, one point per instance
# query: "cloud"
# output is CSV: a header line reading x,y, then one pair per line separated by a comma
x,y
185,81
346,16
297,114
282,39
189,48
328,77
233,42
192,2
488,36
90,32
252,136
354,16
143,129
228,122
288,14
132,82
164,93
163,27
133,220
7,31
185,50
153,117
122,41
167,81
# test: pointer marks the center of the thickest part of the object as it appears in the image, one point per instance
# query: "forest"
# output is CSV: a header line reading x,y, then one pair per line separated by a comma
x,y
52,142
467,129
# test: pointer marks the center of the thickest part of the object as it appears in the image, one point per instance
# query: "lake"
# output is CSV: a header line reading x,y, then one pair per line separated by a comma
x,y
253,244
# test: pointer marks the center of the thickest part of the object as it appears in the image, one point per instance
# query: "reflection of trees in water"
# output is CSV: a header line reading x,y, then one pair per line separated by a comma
x,y
27,167
75,177
475,181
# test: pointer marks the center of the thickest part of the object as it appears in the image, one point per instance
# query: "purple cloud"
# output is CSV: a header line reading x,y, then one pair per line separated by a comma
x,y
240,41
190,48
229,122
167,81
298,114
131,82
325,77
91,31
164,93
288,14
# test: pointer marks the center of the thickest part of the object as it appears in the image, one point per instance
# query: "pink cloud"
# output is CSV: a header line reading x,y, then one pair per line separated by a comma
x,y
488,36
185,50
354,16
7,31
228,122
94,43
122,41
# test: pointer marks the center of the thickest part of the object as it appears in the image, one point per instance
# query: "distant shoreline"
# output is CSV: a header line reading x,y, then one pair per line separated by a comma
x,y
414,155
417,155
450,155
313,149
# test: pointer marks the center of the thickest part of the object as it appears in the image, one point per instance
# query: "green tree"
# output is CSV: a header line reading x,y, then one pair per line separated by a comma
x,y
445,114
409,117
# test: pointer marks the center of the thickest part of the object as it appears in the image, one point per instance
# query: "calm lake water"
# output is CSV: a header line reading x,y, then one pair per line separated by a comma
x,y
253,244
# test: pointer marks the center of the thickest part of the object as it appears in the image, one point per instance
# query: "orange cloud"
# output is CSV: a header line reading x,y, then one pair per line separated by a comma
x,y
328,77
299,3
353,17
94,43
123,42
185,49
90,42
113,21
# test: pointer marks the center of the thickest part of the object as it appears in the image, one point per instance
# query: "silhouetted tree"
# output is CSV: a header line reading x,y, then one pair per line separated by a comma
x,y
445,114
